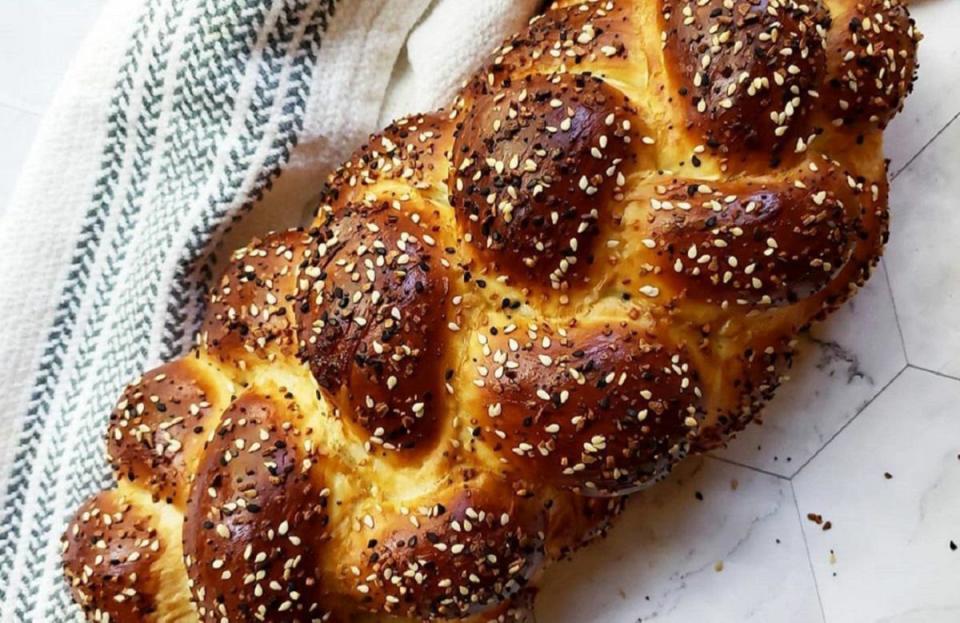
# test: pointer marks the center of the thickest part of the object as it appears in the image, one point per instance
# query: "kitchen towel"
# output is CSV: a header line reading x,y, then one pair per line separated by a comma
x,y
182,128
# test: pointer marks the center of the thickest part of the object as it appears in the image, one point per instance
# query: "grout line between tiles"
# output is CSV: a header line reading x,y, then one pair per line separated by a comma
x,y
924,148
896,313
806,547
745,466
849,422
934,372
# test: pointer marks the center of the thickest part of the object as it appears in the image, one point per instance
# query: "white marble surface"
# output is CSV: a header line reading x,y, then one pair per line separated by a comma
x,y
674,557
842,365
890,538
937,93
924,270
875,391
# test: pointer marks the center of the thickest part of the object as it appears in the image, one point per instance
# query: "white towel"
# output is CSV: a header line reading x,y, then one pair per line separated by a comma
x,y
183,127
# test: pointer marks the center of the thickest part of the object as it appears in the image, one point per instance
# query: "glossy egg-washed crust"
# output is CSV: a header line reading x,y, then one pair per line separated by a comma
x,y
506,316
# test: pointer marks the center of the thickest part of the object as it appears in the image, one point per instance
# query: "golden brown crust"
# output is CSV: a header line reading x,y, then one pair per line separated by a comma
x,y
108,551
505,317
159,426
411,151
534,163
601,410
748,71
755,241
256,520
373,322
479,548
114,554
578,38
872,61
252,309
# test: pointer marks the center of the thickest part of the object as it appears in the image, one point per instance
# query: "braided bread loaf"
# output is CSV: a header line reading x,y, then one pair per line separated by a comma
x,y
505,317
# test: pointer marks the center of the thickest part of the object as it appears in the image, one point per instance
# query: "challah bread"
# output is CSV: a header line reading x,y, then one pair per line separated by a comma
x,y
505,317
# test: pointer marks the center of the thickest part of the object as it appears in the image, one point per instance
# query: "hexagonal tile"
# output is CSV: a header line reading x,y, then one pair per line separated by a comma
x,y
890,486
936,97
841,364
736,555
921,257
